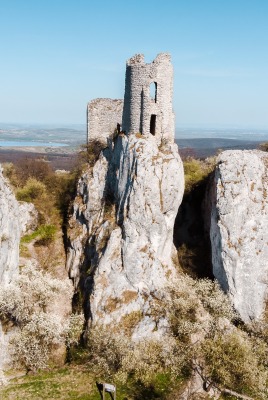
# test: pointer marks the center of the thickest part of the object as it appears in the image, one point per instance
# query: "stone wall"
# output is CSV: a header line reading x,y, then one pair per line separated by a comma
x,y
103,115
139,111
145,113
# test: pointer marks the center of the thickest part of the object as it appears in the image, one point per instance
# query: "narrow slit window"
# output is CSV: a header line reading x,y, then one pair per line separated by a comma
x,y
152,124
153,91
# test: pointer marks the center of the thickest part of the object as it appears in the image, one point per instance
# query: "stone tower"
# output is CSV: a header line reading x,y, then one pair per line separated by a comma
x,y
148,97
147,105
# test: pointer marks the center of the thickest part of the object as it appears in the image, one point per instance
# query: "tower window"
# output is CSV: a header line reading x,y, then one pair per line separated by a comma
x,y
152,124
153,91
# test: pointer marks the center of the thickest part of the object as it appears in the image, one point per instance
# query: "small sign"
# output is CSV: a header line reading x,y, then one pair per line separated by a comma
x,y
109,388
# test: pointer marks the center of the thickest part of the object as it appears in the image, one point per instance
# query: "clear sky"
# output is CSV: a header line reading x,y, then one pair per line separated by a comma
x,y
57,55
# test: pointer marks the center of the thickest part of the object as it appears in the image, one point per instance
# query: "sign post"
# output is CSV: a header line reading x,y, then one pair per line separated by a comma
x,y
107,388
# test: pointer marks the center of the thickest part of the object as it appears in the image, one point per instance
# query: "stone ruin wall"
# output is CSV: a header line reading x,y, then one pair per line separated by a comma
x,y
139,106
103,115
135,112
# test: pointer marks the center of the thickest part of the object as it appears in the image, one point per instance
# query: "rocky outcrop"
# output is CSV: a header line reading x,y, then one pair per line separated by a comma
x,y
10,230
238,232
28,216
16,219
121,231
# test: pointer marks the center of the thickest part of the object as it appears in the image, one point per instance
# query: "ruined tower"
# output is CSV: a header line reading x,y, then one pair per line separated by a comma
x,y
148,97
147,105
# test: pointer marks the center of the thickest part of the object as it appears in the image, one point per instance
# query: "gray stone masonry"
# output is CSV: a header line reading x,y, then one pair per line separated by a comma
x,y
103,115
149,111
147,104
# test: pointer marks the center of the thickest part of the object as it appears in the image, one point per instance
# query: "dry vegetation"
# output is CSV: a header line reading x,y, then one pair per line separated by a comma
x,y
196,171
264,146
204,336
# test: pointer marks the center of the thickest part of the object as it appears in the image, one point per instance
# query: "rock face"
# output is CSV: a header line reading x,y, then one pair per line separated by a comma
x,y
121,230
239,234
10,230
28,216
15,219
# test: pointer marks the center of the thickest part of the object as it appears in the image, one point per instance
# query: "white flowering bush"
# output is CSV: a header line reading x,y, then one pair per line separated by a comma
x,y
29,302
74,327
3,380
106,350
236,362
31,347
149,357
201,339
116,355
213,299
30,291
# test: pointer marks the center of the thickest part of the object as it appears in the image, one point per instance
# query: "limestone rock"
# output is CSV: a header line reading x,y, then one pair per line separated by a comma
x,y
28,216
121,231
239,234
10,230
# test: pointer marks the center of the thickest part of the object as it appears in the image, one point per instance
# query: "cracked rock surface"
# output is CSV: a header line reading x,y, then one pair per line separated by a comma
x,y
10,230
239,229
121,231
16,219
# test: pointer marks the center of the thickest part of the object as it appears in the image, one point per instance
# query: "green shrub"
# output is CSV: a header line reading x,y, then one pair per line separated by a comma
x,y
196,171
31,190
46,234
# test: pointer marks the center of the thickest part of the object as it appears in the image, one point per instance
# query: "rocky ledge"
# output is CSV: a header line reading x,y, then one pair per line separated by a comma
x,y
121,231
239,229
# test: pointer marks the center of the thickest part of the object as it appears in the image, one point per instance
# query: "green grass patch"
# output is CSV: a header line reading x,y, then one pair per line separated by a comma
x,y
79,383
45,234
63,384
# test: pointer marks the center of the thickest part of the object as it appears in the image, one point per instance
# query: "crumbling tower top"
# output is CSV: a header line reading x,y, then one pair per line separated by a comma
x,y
148,97
147,105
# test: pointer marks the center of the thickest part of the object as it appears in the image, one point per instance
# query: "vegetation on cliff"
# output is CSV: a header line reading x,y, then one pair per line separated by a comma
x,y
205,337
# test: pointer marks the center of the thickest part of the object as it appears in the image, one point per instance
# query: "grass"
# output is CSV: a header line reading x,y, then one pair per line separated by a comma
x,y
45,234
78,383
64,384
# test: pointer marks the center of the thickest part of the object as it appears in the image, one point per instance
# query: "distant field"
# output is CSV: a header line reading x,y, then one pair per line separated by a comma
x,y
59,144
205,147
204,142
71,136
57,160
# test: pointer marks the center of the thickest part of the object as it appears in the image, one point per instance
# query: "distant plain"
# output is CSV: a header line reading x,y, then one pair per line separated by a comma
x,y
60,143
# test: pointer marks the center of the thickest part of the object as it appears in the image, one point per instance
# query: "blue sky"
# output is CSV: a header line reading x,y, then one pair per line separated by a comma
x,y
57,55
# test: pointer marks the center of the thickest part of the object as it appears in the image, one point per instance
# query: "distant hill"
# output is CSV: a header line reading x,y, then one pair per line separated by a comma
x,y
205,147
